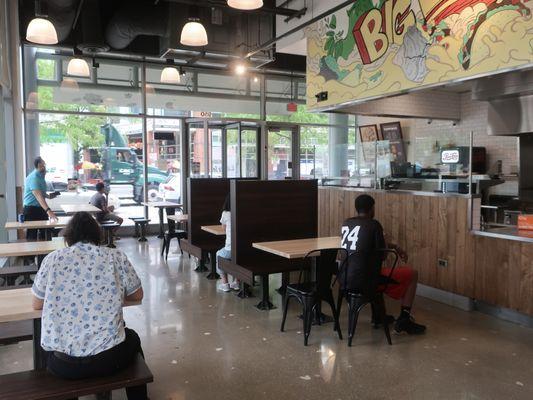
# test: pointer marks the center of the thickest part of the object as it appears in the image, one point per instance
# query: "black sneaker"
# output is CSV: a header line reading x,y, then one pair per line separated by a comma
x,y
409,326
377,323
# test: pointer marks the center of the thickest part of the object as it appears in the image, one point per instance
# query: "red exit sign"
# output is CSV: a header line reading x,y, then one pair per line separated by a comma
x,y
292,107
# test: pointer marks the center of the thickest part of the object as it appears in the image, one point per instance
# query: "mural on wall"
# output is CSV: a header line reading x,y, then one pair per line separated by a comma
x,y
377,47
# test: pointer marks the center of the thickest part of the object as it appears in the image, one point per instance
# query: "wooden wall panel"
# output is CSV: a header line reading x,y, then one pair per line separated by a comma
x,y
496,271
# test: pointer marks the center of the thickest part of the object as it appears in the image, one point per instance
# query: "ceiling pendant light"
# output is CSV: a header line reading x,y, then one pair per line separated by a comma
x,y
170,75
41,30
245,4
193,33
69,84
78,67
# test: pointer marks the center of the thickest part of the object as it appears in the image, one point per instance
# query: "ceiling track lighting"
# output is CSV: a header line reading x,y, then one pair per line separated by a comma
x,y
245,4
193,32
41,30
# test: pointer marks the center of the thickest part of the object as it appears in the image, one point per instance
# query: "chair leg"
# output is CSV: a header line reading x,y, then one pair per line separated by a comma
x,y
308,317
163,245
179,245
168,248
354,308
331,302
285,308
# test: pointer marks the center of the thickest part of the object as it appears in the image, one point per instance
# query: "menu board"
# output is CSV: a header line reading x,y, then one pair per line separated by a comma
x,y
374,48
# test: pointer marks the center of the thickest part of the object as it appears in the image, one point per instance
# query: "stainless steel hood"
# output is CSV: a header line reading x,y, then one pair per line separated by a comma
x,y
510,98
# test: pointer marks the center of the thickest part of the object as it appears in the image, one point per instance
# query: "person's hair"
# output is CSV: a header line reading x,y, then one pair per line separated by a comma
x,y
37,161
82,228
100,186
364,203
227,204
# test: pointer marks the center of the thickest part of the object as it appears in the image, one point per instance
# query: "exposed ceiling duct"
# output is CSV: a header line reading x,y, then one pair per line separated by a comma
x,y
62,14
135,20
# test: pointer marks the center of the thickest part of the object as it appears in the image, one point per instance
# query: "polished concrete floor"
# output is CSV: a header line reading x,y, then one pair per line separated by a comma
x,y
203,344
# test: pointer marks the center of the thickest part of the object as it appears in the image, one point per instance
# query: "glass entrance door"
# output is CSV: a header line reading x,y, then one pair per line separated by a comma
x,y
281,140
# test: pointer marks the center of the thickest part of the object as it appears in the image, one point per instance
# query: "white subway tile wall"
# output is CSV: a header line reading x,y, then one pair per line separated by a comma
x,y
418,133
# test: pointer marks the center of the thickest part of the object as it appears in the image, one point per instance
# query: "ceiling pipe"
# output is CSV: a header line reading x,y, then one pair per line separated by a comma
x,y
135,20
271,42
62,13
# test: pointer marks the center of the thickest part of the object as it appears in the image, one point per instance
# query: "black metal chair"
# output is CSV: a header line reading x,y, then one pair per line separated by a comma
x,y
168,236
357,301
311,294
140,227
137,233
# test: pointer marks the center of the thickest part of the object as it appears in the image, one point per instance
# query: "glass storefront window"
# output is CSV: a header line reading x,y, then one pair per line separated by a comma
x,y
249,153
314,152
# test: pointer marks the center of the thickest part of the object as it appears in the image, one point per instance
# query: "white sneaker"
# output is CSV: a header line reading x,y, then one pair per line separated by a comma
x,y
224,287
235,286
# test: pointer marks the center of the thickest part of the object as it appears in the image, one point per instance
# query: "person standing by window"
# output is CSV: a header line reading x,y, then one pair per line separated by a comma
x,y
81,290
35,206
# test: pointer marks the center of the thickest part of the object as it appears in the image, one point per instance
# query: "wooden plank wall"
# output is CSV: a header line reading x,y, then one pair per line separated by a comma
x,y
496,271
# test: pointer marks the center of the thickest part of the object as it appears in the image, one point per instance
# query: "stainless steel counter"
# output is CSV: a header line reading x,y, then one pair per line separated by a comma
x,y
509,233
400,191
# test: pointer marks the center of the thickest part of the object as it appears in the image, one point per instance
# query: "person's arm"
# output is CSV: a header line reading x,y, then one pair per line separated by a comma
x,y
135,296
401,253
38,288
133,290
42,202
37,303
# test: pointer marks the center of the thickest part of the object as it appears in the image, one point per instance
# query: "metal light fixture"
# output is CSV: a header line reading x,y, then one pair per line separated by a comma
x,y
245,4
240,68
170,75
78,67
41,30
193,33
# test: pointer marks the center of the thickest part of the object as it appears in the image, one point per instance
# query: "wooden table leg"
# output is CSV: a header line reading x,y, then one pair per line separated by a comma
x,y
39,355
213,274
265,303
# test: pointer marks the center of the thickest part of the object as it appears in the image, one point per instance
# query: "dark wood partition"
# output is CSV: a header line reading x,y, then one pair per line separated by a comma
x,y
204,204
267,211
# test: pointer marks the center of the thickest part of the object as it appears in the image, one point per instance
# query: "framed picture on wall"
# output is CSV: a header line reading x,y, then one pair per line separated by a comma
x,y
368,134
392,131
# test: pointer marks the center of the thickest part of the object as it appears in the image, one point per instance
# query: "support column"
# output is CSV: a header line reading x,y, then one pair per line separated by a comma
x,y
338,144
263,135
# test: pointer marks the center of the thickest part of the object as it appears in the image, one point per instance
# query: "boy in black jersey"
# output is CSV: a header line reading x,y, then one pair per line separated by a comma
x,y
365,273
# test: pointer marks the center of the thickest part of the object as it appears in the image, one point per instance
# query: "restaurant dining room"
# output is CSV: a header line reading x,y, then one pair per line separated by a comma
x,y
263,199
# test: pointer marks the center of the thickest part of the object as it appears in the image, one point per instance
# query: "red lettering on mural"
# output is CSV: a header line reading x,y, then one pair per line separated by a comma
x,y
376,29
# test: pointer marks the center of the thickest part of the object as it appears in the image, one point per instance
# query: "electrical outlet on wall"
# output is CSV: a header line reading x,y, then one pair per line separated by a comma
x,y
442,263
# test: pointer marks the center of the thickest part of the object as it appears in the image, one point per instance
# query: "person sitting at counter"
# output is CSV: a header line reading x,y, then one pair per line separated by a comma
x,y
364,235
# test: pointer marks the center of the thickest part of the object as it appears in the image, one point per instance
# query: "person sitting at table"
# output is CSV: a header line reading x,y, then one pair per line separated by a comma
x,y
364,235
81,290
35,206
225,252
100,200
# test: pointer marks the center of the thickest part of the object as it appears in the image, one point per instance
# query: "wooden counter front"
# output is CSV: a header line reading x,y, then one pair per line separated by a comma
x,y
429,228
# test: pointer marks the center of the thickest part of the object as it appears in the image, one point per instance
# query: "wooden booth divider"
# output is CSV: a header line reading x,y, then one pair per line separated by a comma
x,y
268,211
204,204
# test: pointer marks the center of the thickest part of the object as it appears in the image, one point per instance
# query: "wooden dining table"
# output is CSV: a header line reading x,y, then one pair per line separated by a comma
x,y
179,218
16,305
299,248
74,208
218,230
23,249
170,208
47,225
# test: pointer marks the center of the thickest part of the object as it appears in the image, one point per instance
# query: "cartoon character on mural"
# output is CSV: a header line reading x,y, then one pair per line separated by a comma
x,y
377,47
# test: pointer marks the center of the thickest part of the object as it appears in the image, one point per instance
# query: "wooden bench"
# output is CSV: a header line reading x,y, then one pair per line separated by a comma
x,y
11,273
41,385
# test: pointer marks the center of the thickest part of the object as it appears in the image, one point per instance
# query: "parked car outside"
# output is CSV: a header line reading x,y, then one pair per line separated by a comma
x,y
170,190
